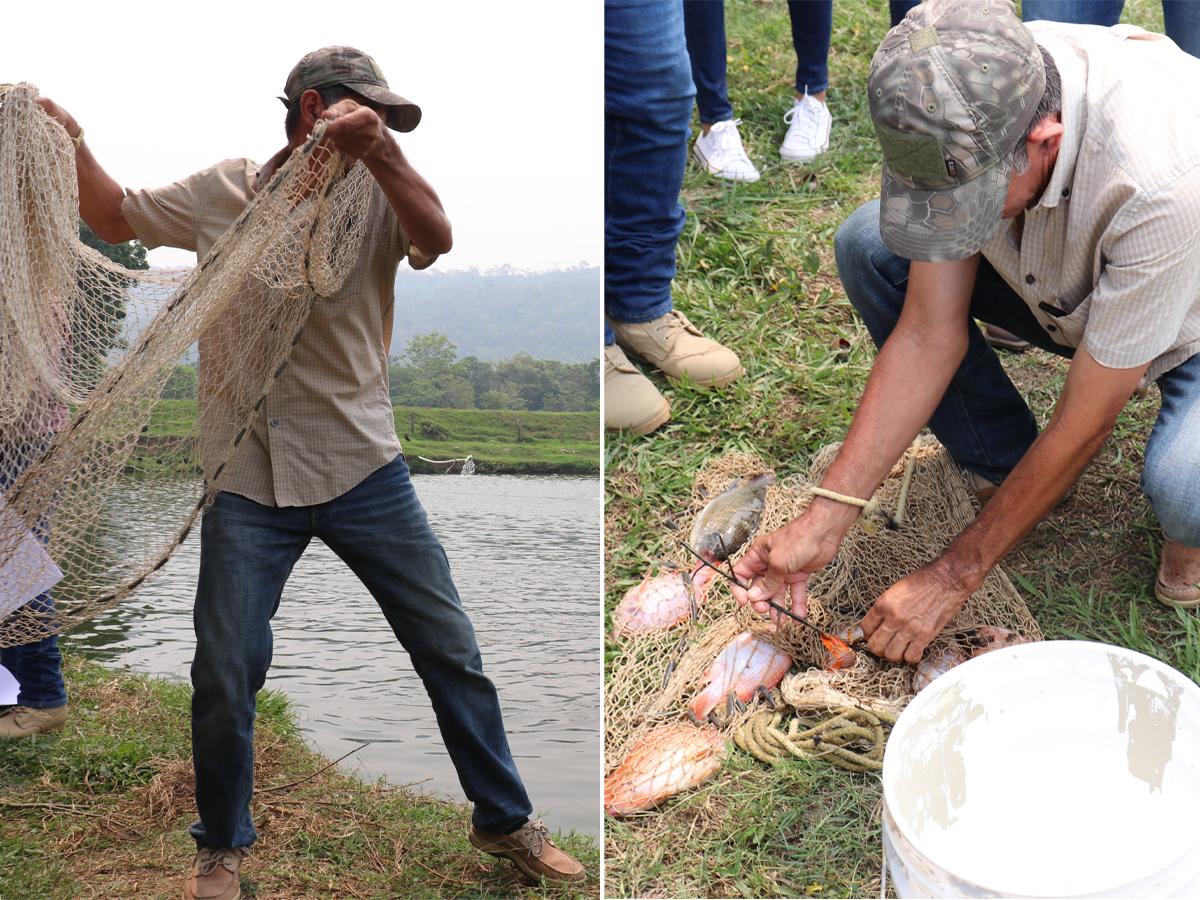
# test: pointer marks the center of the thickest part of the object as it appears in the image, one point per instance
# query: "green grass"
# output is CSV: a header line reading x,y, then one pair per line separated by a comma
x,y
501,441
756,271
101,809
549,442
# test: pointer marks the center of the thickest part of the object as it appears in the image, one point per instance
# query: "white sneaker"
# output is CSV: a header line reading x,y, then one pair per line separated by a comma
x,y
721,153
807,136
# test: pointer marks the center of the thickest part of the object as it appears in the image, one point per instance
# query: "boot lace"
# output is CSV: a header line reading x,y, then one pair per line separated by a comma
x,y
536,834
208,858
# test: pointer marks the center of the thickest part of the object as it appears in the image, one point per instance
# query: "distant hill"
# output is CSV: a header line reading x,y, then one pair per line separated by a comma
x,y
495,314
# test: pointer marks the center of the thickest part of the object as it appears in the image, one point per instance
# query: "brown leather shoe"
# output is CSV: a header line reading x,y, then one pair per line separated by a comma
x,y
21,721
530,849
1178,581
215,874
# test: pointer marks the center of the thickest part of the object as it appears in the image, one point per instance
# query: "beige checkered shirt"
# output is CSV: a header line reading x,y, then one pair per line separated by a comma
x,y
327,423
1109,259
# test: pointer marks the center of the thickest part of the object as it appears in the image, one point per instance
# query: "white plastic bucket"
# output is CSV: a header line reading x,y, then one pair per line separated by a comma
x,y
1054,769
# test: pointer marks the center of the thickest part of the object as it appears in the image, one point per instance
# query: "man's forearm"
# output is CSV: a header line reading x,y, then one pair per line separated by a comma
x,y
100,199
1082,421
413,199
1040,480
908,380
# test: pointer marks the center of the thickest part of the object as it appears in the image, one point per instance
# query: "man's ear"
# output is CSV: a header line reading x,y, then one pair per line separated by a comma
x,y
311,107
1047,135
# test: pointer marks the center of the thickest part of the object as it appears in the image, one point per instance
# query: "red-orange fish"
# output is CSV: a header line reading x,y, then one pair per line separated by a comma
x,y
660,601
839,654
664,762
746,664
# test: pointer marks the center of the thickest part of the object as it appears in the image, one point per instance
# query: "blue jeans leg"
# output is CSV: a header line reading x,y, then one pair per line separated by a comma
x,y
1171,472
812,28
247,551
380,530
898,9
37,666
704,25
1182,21
982,419
1081,12
648,96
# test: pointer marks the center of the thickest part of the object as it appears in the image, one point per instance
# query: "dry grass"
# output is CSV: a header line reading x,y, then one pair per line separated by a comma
x,y
101,810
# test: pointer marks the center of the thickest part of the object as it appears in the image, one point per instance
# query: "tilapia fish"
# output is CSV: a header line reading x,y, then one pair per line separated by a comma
x,y
664,762
746,664
983,639
660,601
731,518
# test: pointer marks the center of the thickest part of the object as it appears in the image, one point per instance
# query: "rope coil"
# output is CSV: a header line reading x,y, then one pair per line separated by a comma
x,y
853,738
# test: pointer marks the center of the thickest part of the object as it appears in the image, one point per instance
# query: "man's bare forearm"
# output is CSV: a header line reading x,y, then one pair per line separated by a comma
x,y
907,382
100,199
413,199
99,195
1082,421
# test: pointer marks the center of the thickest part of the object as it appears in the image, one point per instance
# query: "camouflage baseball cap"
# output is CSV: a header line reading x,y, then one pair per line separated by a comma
x,y
952,89
355,70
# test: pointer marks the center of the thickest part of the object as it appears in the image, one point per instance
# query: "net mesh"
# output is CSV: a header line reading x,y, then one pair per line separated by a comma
x,y
88,346
659,672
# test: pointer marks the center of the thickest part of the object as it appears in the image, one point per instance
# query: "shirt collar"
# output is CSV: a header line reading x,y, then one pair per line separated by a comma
x,y
1073,73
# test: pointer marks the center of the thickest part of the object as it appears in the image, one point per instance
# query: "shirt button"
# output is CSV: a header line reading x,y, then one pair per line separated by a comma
x,y
1029,279
274,423
1066,193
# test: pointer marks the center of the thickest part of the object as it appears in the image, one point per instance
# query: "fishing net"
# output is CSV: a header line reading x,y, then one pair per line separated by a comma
x,y
659,672
88,347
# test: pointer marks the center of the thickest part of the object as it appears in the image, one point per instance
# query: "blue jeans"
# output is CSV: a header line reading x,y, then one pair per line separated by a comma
x,y
1181,18
812,27
982,419
704,25
37,666
379,530
647,107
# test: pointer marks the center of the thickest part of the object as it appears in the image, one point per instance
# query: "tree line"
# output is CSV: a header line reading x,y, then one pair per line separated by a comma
x,y
429,373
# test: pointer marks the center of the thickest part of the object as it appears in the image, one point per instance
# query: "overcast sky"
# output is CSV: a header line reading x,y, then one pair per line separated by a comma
x,y
511,95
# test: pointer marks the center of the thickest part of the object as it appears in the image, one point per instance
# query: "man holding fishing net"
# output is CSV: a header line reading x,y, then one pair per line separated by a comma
x,y
323,461
1046,180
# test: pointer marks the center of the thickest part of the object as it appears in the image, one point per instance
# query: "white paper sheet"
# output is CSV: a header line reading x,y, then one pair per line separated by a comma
x,y
8,688
26,569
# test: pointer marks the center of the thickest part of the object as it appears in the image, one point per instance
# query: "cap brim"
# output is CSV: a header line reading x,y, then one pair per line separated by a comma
x,y
402,115
940,226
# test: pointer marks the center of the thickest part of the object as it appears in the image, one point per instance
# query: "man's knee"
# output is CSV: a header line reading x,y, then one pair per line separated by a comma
x,y
873,277
1172,484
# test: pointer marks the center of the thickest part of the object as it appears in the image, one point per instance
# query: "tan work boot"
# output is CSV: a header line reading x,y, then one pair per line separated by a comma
x,y
631,401
530,849
22,721
215,874
1178,581
675,346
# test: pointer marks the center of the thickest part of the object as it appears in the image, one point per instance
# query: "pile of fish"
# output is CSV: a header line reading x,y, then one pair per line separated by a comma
x,y
674,757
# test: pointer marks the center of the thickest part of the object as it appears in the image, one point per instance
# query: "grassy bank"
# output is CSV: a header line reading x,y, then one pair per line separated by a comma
x,y
101,809
501,441
756,271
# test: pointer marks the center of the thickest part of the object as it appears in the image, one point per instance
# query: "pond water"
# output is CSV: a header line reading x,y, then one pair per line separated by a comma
x,y
525,554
